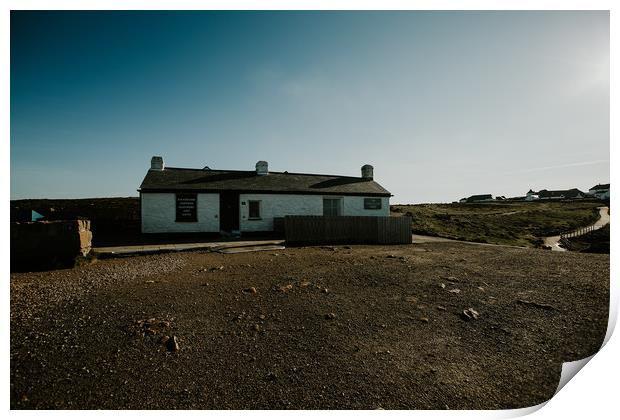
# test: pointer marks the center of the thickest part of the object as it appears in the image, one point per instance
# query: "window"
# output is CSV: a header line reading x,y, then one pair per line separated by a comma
x,y
254,209
186,208
372,204
332,207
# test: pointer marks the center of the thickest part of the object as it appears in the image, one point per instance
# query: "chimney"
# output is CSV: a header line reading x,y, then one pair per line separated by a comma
x,y
157,163
367,171
262,167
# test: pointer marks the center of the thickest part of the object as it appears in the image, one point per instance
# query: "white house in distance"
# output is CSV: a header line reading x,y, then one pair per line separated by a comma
x,y
207,200
571,194
600,191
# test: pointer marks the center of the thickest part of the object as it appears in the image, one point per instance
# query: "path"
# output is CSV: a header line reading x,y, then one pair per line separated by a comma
x,y
554,241
117,251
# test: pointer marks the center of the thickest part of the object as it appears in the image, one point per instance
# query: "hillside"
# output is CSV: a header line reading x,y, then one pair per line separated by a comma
x,y
514,223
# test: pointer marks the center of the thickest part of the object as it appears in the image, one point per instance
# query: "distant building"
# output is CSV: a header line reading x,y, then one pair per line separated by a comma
x,y
531,195
571,194
600,191
478,198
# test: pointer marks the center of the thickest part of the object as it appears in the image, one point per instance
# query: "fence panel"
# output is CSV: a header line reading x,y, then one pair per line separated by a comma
x,y
347,229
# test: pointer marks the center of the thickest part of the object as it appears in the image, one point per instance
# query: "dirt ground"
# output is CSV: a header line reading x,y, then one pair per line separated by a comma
x,y
345,327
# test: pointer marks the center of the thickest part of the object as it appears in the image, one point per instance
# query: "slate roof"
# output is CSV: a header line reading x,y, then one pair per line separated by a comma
x,y
600,187
480,197
572,193
210,180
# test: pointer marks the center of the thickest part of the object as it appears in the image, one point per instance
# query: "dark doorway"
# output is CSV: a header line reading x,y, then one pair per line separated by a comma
x,y
229,211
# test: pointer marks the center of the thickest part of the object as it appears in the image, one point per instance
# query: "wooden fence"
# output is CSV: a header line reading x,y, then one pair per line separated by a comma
x,y
578,232
565,237
347,229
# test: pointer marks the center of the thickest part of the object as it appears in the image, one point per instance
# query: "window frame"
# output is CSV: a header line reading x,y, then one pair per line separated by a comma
x,y
260,210
339,207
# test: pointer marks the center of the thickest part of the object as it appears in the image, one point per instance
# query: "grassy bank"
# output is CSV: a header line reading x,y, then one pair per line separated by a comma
x,y
596,242
516,223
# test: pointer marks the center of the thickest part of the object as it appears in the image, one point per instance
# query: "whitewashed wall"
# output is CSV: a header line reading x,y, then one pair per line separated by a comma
x,y
280,205
159,214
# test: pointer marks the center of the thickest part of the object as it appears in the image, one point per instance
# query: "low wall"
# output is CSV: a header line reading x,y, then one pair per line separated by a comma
x,y
347,229
51,243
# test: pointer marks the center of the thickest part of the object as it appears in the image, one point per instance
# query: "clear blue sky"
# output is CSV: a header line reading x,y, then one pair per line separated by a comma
x,y
442,104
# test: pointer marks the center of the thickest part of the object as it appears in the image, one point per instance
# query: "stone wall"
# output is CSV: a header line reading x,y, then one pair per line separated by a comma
x,y
36,245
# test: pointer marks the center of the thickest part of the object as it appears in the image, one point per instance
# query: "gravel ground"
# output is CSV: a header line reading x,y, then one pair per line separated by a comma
x,y
315,328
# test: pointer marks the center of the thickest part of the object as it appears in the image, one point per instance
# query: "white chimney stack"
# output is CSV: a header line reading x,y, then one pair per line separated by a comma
x,y
262,167
367,171
157,163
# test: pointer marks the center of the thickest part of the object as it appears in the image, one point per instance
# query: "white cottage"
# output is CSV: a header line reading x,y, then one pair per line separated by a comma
x,y
207,200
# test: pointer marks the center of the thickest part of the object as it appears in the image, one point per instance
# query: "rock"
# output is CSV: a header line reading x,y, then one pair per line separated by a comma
x,y
330,315
454,291
441,308
442,285
324,290
256,327
221,267
150,281
424,319
164,339
250,290
469,314
304,284
286,288
262,317
536,304
172,344
391,256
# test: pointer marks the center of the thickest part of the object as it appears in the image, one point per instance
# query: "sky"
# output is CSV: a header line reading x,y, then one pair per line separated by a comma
x,y
443,104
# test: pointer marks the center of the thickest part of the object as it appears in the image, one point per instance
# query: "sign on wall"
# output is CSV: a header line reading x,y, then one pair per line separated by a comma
x,y
372,204
186,208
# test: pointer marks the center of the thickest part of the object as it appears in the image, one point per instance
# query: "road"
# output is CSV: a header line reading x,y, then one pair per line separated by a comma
x,y
554,241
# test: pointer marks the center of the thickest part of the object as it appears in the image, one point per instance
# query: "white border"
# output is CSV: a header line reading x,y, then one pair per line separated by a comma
x,y
592,394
